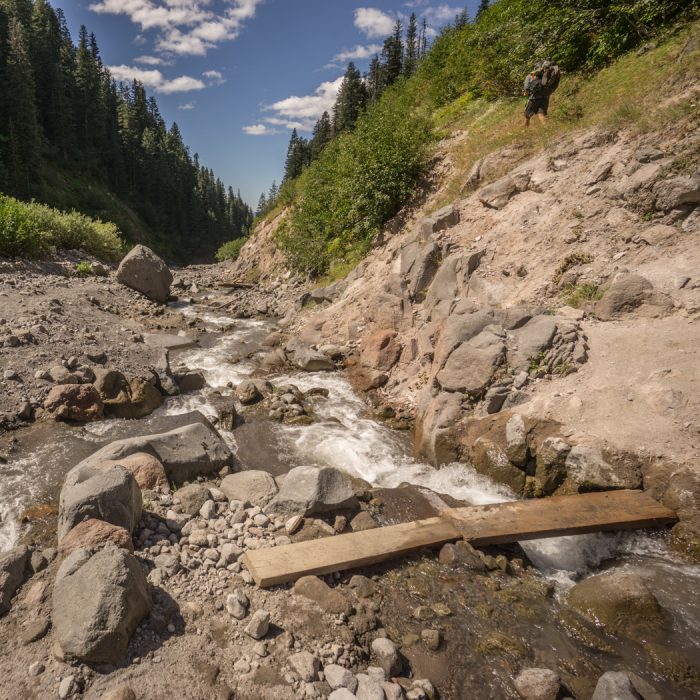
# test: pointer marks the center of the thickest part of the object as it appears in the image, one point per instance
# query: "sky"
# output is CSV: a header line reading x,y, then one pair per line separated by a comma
x,y
238,75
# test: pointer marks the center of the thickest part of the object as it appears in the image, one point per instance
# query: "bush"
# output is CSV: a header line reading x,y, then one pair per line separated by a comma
x,y
361,179
31,230
230,250
84,269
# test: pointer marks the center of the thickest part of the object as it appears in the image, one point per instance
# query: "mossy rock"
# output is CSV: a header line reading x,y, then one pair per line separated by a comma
x,y
498,643
674,666
685,539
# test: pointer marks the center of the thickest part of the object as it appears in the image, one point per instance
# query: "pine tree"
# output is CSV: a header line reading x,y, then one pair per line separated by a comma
x,y
262,205
297,156
322,134
423,41
462,19
374,80
272,194
392,55
411,54
483,6
351,100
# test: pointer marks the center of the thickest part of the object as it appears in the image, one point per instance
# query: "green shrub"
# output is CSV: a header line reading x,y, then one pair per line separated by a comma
x,y
581,294
84,269
31,230
230,250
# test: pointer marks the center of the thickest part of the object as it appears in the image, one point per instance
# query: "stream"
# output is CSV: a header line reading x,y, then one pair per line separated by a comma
x,y
342,437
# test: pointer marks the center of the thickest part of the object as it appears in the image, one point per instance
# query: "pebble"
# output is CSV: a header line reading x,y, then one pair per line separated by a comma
x,y
66,687
36,668
259,624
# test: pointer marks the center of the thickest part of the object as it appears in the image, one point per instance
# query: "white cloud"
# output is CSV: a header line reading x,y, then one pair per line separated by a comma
x,y
152,61
185,27
156,80
359,53
186,107
214,77
308,106
259,130
373,23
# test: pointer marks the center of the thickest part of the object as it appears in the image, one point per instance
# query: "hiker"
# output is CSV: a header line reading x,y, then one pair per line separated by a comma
x,y
538,86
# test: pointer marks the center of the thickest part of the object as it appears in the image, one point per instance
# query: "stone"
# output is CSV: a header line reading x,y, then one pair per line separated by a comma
x,y
339,677
516,440
393,691
37,562
293,524
191,380
675,192
237,604
537,684
193,497
626,294
121,692
615,685
310,490
470,367
230,553
36,668
110,494
368,688
387,656
35,630
328,599
431,638
252,486
142,270
166,381
67,687
310,360
168,341
588,470
489,459
79,403
362,521
112,386
497,194
445,218
208,510
248,393
13,570
425,265
342,694
97,607
620,602
187,452
305,665
147,470
142,399
599,173
380,350
526,343
461,554
550,470
92,534
259,624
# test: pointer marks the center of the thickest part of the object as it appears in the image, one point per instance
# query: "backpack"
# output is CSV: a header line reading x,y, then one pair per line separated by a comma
x,y
537,88
551,78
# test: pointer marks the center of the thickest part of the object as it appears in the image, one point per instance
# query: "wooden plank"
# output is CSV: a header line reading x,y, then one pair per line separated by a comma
x,y
492,524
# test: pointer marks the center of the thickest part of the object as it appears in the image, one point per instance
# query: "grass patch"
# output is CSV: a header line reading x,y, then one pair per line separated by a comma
x,y
33,230
231,250
572,260
83,269
578,295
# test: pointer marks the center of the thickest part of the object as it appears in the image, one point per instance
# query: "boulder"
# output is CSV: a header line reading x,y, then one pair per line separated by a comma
x,y
310,360
471,366
550,470
166,381
615,685
97,607
306,666
142,399
13,569
147,470
110,494
387,656
328,599
79,403
190,380
339,677
626,294
193,497
423,269
380,350
516,440
537,684
187,452
255,487
589,470
112,386
489,459
497,194
92,534
168,341
248,393
310,490
527,342
142,270
434,436
620,602
461,554
676,192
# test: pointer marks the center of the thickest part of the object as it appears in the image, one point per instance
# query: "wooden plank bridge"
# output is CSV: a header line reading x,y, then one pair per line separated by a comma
x,y
496,523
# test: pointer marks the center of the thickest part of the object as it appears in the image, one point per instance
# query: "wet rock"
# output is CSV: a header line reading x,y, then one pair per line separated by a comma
x,y
259,624
80,403
142,399
192,497
387,656
13,569
328,599
489,459
615,685
497,194
461,554
588,469
142,270
112,386
248,393
97,607
537,684
92,534
550,471
305,665
166,381
339,677
362,521
111,495
380,350
186,453
516,440
619,601
190,380
254,487
310,490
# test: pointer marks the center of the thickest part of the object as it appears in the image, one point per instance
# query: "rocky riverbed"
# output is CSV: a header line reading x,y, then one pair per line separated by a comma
x,y
144,592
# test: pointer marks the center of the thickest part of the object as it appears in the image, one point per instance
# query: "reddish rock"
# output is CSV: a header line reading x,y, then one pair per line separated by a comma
x,y
380,350
80,403
147,470
92,534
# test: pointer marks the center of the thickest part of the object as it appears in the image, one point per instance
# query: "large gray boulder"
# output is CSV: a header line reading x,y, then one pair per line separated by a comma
x,y
256,487
186,452
142,270
310,490
629,292
615,685
13,566
97,605
497,194
589,470
110,494
527,342
676,192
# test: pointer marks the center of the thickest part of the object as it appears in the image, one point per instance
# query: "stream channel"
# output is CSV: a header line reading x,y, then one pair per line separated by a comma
x,y
343,437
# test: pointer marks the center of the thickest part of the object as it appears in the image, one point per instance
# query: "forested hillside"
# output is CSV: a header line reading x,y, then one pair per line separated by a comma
x,y
71,137
365,161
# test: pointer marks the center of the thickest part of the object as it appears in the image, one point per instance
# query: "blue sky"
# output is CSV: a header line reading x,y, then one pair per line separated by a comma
x,y
237,75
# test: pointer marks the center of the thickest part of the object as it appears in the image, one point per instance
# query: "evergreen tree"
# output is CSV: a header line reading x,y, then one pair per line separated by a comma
x,y
462,19
262,205
483,6
411,54
351,100
392,55
423,40
374,80
297,156
272,194
322,134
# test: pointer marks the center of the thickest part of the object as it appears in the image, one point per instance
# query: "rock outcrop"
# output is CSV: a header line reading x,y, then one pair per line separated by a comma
x,y
142,270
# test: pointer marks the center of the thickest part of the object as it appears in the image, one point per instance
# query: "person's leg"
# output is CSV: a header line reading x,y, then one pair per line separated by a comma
x,y
542,117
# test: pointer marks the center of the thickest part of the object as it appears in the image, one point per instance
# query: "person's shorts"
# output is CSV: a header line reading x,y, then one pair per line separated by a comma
x,y
538,105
